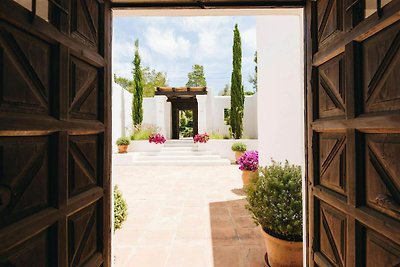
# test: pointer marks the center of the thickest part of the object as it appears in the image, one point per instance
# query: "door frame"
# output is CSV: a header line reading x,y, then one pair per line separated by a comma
x,y
306,5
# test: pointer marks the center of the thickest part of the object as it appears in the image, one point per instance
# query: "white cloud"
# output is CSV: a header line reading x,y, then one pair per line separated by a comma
x,y
166,43
249,38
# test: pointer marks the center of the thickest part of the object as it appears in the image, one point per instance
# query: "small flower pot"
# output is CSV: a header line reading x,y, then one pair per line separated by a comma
x,y
282,253
123,149
238,154
246,176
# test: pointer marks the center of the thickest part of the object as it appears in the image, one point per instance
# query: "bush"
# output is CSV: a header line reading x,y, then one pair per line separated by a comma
x,y
123,141
142,132
274,199
239,147
120,209
216,135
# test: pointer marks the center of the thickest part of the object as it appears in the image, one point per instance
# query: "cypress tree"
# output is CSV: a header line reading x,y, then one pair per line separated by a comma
x,y
137,100
237,91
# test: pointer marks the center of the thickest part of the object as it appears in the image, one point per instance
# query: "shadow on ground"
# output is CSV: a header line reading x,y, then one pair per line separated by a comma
x,y
236,240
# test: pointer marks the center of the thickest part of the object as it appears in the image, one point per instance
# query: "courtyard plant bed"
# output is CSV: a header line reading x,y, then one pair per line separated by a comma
x,y
248,164
239,148
201,139
123,143
275,201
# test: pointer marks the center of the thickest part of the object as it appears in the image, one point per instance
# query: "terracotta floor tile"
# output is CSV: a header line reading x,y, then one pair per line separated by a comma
x,y
187,256
228,256
154,256
185,217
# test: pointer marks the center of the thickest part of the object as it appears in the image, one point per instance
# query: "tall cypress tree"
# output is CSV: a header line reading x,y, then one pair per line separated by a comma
x,y
237,91
137,100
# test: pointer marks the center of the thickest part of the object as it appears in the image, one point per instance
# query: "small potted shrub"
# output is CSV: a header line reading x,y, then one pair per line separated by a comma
x,y
239,148
157,139
248,164
123,143
120,209
275,201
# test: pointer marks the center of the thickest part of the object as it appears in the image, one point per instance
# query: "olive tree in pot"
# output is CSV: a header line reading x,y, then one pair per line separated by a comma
x,y
239,148
123,143
275,201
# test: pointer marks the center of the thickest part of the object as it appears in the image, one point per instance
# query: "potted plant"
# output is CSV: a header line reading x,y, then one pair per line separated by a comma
x,y
120,208
123,143
239,148
248,165
275,201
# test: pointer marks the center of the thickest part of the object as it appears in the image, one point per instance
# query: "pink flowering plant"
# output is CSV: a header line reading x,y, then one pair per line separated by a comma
x,y
201,138
249,161
157,139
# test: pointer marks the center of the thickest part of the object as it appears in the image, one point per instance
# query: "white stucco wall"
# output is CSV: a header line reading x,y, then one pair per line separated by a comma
x,y
121,113
281,90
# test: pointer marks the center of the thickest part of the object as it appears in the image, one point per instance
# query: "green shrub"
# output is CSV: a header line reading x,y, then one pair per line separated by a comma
x,y
239,147
123,141
142,132
216,135
274,199
120,209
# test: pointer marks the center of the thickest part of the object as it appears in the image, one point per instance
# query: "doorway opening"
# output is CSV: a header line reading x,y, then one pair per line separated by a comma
x,y
186,123
173,196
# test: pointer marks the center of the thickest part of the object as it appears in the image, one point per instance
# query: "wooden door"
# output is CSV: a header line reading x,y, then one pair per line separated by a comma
x,y
55,133
353,133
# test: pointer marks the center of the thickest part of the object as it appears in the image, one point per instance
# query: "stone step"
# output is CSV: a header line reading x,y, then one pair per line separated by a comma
x,y
178,158
220,162
189,144
177,153
179,148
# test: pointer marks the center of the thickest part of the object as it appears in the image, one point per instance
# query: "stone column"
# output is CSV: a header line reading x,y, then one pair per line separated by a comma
x,y
202,112
160,111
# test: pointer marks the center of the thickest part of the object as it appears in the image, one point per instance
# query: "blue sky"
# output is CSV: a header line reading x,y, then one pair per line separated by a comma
x,y
174,44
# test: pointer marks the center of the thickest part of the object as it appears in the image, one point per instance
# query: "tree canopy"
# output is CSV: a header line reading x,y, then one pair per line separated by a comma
x,y
196,76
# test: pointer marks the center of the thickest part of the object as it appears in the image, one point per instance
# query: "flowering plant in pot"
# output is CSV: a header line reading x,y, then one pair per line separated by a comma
x,y
275,201
239,148
201,138
248,164
123,143
157,139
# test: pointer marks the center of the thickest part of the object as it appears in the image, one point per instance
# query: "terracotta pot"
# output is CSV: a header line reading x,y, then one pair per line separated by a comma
x,y
122,149
246,176
238,154
282,253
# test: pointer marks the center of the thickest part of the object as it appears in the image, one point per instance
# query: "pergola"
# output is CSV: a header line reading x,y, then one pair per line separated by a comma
x,y
182,98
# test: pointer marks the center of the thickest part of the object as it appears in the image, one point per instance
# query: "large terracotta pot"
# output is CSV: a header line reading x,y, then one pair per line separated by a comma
x,y
238,154
246,176
282,253
122,149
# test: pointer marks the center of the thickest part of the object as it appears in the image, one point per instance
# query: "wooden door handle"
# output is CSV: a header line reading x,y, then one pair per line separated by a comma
x,y
387,202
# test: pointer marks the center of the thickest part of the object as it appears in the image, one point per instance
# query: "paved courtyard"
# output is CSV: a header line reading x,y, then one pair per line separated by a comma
x,y
185,217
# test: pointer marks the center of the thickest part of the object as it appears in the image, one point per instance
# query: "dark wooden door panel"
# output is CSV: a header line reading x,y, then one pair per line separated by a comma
x,y
354,135
54,135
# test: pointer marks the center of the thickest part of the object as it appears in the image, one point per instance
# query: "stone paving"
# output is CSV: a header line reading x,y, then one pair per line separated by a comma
x,y
185,217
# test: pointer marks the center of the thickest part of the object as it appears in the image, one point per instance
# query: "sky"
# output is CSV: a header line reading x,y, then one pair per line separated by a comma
x,y
174,44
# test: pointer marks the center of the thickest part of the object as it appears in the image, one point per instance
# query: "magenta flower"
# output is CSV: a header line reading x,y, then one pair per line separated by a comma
x,y
249,161
157,139
201,138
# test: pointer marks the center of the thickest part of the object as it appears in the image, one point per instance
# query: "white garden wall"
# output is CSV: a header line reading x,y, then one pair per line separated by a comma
x,y
121,113
223,147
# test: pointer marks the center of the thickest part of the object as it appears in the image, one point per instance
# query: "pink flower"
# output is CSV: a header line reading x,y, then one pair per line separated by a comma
x,y
201,138
157,139
249,161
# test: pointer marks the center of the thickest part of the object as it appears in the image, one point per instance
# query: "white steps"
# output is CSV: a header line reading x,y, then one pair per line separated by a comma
x,y
173,153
